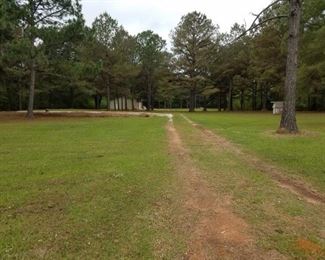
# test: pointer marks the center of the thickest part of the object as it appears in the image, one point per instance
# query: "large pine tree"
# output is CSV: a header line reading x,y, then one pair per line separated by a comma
x,y
35,15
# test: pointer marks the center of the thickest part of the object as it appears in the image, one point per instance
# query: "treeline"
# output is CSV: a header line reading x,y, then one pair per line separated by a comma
x,y
50,59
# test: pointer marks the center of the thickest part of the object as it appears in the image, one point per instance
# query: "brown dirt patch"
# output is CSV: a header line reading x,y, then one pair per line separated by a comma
x,y
304,133
38,115
308,246
279,175
217,233
48,204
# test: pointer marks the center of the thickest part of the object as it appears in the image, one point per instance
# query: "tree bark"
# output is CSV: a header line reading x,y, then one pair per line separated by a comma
x,y
254,97
95,101
241,100
230,107
108,97
192,101
149,92
99,101
322,102
126,103
219,101
122,103
288,119
264,97
149,96
9,97
20,96
205,107
71,97
133,103
30,110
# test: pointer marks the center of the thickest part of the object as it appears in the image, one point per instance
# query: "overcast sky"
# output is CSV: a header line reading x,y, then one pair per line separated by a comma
x,y
162,16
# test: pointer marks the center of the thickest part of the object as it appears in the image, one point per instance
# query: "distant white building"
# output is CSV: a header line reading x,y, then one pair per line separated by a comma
x,y
277,107
122,103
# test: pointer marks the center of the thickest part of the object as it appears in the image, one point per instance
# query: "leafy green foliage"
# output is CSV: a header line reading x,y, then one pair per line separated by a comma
x,y
193,41
150,51
77,66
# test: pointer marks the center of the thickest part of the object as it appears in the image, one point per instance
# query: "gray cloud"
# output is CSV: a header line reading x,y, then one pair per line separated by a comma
x,y
162,16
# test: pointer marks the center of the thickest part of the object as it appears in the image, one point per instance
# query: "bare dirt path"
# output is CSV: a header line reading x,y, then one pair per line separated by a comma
x,y
217,233
91,113
281,177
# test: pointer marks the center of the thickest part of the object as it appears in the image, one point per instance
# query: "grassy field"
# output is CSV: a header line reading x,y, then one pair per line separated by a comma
x,y
278,219
302,155
83,188
108,187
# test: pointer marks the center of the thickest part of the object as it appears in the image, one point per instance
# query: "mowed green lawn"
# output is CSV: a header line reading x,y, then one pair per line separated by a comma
x,y
106,188
302,155
85,188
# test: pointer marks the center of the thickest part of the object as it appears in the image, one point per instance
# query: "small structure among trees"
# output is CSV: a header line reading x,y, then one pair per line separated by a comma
x,y
126,104
277,107
48,51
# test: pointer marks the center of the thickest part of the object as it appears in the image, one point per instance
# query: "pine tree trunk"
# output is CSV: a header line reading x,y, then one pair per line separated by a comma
x,y
126,103
20,96
95,101
99,101
108,97
149,96
241,100
192,101
288,120
205,107
118,103
264,97
122,103
8,97
30,111
133,108
230,107
71,97
254,98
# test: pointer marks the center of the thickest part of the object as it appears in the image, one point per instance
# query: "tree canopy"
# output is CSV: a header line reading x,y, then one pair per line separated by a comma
x,y
49,58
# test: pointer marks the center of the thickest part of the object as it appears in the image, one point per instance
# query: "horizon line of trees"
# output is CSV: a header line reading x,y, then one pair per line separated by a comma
x,y
49,58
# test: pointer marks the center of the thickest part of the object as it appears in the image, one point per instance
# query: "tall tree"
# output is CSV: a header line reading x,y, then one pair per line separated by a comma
x,y
150,47
192,40
267,62
105,29
36,14
288,120
311,74
126,68
7,30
